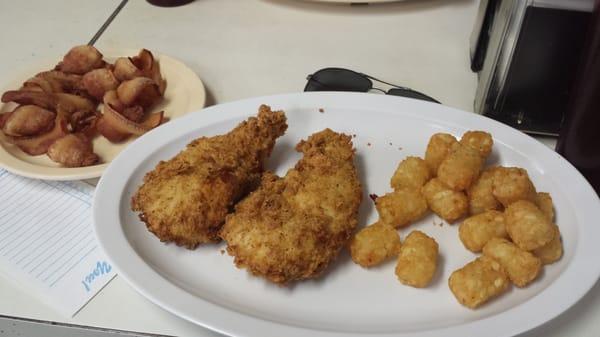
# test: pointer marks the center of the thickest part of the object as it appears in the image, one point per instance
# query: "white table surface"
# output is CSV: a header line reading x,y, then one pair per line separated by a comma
x,y
245,48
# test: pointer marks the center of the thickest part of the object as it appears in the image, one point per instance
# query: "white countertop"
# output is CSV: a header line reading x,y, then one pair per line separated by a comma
x,y
244,48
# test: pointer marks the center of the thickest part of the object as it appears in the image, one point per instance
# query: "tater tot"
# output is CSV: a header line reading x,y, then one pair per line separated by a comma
x,y
439,146
527,225
374,244
480,194
402,207
412,172
478,282
417,260
512,184
478,140
543,201
477,230
448,204
552,251
460,168
521,266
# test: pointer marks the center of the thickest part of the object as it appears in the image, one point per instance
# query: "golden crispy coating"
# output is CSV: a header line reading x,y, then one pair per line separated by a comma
x,y
478,229
521,266
543,201
481,197
402,207
460,168
448,204
291,228
527,226
438,148
374,244
480,141
417,261
552,251
185,199
478,282
412,172
512,184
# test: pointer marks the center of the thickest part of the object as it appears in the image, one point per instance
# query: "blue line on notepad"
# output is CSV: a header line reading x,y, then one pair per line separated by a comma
x,y
12,184
18,198
50,255
3,172
50,226
22,215
77,252
57,259
26,235
73,266
34,240
60,230
68,192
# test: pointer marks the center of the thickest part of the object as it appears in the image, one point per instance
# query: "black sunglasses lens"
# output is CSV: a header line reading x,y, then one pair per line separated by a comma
x,y
337,80
411,94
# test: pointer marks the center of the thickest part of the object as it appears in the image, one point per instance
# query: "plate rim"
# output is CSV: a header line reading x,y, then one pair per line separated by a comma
x,y
29,170
215,317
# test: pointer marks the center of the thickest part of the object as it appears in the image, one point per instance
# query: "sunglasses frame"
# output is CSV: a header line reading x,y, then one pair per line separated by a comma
x,y
407,92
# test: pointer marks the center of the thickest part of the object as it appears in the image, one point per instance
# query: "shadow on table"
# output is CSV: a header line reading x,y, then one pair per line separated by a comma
x,y
564,324
210,97
379,8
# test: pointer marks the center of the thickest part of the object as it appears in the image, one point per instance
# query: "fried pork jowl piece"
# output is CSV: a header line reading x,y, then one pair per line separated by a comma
x,y
291,228
185,199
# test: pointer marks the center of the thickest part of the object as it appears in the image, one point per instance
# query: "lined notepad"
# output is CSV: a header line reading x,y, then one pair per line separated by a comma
x,y
47,241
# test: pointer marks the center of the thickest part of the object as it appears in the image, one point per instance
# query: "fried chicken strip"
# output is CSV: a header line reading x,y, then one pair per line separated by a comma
x,y
291,228
185,199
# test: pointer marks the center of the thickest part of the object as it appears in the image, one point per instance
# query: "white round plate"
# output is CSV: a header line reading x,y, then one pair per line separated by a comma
x,y
203,285
184,93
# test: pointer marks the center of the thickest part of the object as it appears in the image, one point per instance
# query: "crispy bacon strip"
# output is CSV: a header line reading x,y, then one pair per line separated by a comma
x,y
38,145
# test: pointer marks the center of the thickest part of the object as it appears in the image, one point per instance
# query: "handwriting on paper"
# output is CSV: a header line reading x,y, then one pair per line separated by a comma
x,y
101,268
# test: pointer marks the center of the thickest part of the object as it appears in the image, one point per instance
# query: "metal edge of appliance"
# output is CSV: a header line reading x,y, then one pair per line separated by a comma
x,y
574,5
503,39
19,326
502,42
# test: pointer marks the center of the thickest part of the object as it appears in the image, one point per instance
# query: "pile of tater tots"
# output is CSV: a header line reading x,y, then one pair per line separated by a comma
x,y
504,218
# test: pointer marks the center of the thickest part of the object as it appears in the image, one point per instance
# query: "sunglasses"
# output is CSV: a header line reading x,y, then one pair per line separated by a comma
x,y
339,79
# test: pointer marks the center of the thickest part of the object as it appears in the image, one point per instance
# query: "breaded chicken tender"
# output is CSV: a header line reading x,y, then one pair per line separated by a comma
x,y
412,172
481,196
478,282
417,261
521,266
402,207
185,199
291,228
438,148
478,229
374,244
448,204
512,184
